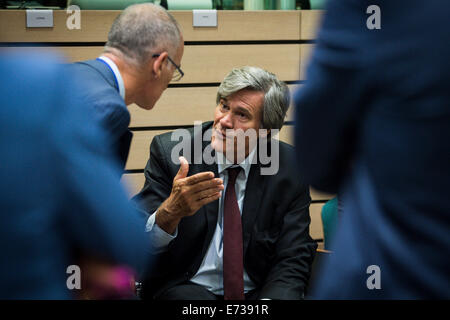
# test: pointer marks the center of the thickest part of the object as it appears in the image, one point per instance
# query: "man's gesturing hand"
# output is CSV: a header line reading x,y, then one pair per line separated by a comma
x,y
188,195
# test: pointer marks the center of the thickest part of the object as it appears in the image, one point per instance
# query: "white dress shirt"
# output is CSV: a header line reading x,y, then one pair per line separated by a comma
x,y
116,73
210,273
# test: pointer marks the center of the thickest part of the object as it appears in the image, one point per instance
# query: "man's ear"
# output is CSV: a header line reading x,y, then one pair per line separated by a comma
x,y
158,64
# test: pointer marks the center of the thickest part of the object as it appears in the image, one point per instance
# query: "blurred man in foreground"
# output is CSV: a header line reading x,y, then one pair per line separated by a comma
x,y
60,196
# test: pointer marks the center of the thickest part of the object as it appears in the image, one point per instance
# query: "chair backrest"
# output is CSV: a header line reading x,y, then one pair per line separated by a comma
x,y
318,4
189,5
329,220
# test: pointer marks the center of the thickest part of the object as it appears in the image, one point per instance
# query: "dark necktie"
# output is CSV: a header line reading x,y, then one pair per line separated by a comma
x,y
233,266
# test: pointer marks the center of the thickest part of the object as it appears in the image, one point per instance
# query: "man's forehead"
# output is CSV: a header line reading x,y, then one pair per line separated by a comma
x,y
247,97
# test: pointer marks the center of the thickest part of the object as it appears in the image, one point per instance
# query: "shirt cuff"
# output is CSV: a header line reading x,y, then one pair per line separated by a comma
x,y
159,238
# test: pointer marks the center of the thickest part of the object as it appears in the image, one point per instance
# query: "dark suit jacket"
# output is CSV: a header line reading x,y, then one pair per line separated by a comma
x,y
59,187
373,121
100,90
278,250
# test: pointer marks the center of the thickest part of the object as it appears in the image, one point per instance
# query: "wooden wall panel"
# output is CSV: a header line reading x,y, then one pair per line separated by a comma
x,y
287,134
243,25
309,24
140,148
213,63
305,54
317,195
290,113
316,227
133,182
177,106
210,64
180,106
95,24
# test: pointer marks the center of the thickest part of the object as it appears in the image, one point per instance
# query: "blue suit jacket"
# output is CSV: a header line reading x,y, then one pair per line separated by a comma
x,y
100,90
373,122
59,187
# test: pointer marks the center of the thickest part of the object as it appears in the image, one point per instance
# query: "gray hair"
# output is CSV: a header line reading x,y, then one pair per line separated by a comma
x,y
276,92
141,30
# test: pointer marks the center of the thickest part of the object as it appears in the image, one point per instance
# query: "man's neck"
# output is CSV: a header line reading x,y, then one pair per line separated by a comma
x,y
129,76
223,159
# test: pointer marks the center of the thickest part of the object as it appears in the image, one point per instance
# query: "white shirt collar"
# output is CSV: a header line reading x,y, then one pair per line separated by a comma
x,y
223,163
117,74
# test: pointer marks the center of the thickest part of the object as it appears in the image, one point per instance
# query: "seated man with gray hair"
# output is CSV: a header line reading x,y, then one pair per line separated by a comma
x,y
229,213
141,57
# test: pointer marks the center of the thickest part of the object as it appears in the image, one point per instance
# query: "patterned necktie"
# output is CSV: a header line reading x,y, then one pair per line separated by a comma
x,y
233,266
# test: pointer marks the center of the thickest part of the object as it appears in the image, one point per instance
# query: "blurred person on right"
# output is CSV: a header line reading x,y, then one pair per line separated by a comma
x,y
373,123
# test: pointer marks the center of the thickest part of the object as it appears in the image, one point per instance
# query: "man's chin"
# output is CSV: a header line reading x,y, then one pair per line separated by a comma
x,y
145,106
150,107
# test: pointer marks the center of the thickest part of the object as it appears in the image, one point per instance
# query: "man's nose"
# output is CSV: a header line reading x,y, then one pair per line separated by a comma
x,y
227,121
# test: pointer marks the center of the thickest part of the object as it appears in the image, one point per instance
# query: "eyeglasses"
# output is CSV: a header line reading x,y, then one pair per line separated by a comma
x,y
178,74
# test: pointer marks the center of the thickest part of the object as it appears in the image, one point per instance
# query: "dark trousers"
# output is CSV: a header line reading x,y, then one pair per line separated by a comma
x,y
191,291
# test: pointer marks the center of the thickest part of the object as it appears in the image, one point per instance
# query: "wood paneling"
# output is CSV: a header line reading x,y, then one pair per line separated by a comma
x,y
319,195
95,24
94,27
140,148
243,25
184,106
309,24
305,54
210,64
287,134
177,106
213,63
316,228
133,182
290,112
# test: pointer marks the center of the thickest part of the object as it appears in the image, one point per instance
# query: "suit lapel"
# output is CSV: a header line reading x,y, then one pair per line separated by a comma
x,y
211,210
254,191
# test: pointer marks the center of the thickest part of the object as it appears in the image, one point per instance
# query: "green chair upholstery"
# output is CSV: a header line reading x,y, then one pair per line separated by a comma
x,y
105,4
318,4
329,220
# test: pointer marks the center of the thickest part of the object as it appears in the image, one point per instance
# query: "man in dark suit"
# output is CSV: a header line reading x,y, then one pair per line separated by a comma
x,y
60,195
373,122
141,57
223,226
